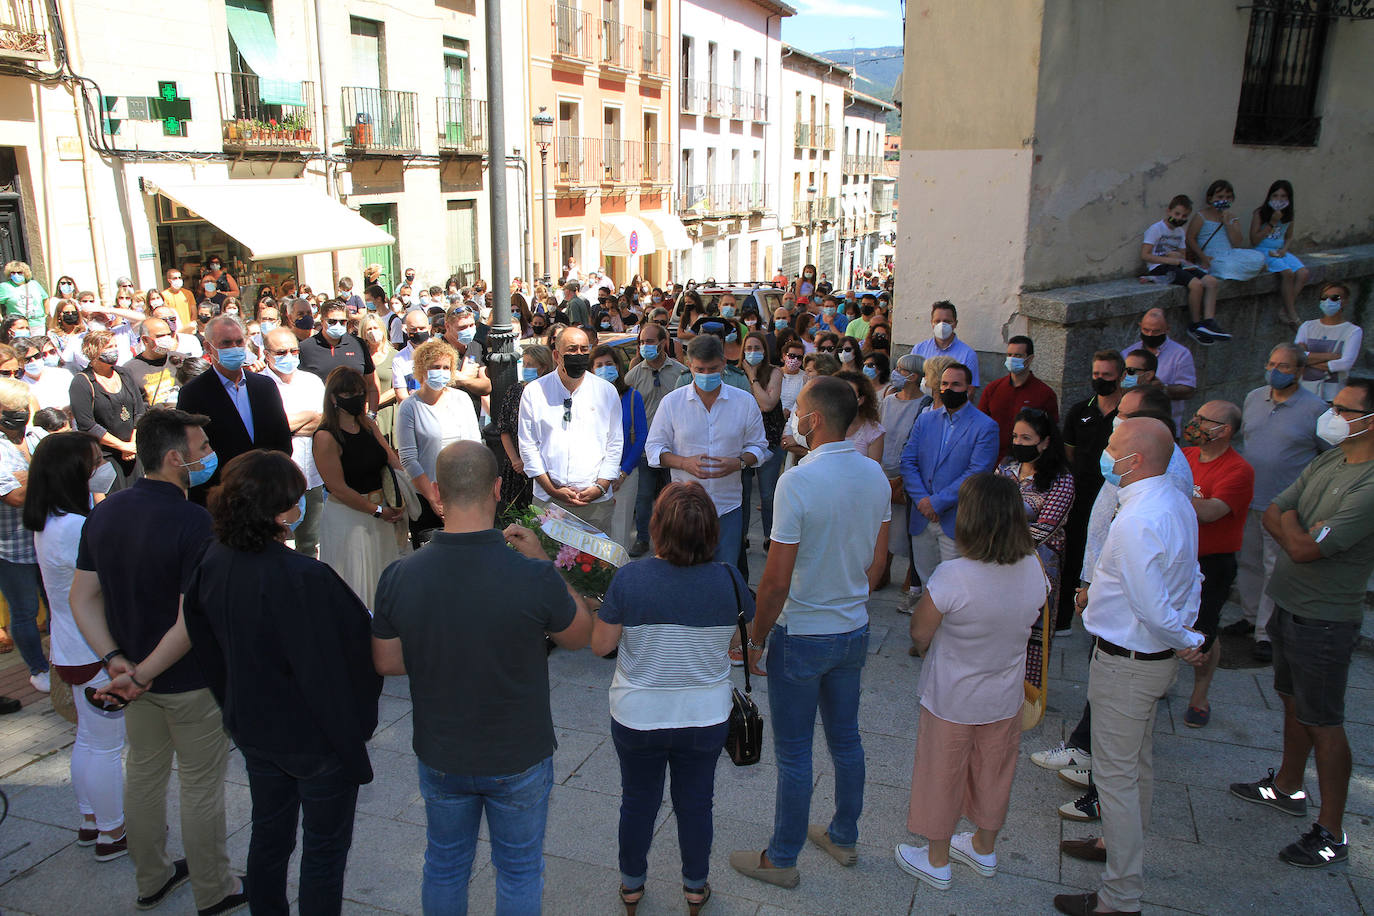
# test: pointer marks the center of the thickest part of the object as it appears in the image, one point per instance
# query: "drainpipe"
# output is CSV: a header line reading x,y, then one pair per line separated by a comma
x,y
330,185
87,173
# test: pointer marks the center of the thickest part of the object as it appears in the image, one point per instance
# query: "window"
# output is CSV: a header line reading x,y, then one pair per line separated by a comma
x,y
462,237
737,71
365,41
456,73
569,155
612,160
758,76
1283,64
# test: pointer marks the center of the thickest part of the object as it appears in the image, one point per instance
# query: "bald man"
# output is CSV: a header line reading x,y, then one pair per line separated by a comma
x,y
1176,371
150,369
1142,604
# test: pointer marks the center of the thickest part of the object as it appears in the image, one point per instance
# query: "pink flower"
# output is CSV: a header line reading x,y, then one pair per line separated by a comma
x,y
567,557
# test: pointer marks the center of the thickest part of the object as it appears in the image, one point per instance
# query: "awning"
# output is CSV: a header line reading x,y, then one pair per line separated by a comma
x,y
251,28
275,219
623,235
669,233
884,251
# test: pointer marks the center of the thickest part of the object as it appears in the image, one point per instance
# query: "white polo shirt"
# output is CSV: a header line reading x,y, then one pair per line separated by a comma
x,y
304,392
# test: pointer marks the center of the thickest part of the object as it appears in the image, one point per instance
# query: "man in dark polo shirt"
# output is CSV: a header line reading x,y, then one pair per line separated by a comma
x,y
481,672
332,346
138,549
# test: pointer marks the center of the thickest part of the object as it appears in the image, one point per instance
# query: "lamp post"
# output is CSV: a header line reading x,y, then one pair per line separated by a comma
x,y
811,224
543,126
500,338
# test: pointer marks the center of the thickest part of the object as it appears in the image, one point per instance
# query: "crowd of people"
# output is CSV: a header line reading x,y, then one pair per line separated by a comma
x,y
323,478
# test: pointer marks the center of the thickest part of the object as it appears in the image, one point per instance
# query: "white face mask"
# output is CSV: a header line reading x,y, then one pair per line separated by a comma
x,y
944,330
1335,428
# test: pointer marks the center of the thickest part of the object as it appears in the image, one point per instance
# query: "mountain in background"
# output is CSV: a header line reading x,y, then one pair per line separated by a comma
x,y
876,72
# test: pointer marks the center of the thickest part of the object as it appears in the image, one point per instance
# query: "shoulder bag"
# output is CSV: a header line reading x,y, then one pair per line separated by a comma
x,y
744,743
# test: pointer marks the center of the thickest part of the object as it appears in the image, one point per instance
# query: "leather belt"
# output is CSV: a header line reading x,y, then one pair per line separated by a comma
x,y
1112,648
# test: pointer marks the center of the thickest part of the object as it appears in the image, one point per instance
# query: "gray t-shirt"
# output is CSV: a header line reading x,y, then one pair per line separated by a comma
x,y
1280,439
478,670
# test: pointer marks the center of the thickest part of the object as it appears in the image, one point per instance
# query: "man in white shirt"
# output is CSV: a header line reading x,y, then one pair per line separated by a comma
x,y
1140,609
710,432
302,395
187,344
829,549
570,434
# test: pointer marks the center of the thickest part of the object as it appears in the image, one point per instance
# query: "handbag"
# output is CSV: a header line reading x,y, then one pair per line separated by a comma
x,y
1036,683
744,743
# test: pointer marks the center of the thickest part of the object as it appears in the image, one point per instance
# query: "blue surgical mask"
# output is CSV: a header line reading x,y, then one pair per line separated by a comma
x,y
528,373
1015,363
20,332
232,358
1329,307
871,371
17,279
727,311
898,379
732,337
335,331
52,359
706,381
287,363
300,516
200,475
779,323
266,327
467,334
828,311
1279,379
1129,381
438,379
648,351
753,357
609,373
1107,464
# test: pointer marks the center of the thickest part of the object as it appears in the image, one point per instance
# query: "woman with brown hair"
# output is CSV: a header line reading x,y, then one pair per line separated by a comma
x,y
972,625
106,402
765,381
866,433
672,616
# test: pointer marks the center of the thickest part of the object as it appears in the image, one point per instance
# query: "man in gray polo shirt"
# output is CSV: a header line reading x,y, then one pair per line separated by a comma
x,y
1280,432
829,548
653,376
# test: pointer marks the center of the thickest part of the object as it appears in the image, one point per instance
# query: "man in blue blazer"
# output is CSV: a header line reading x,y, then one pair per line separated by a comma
x,y
945,447
244,408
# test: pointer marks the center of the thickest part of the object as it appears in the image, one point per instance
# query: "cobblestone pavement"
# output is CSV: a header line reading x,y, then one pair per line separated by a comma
x,y
1206,852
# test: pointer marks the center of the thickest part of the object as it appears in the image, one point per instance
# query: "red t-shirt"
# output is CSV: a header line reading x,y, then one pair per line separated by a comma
x,y
1002,401
1230,479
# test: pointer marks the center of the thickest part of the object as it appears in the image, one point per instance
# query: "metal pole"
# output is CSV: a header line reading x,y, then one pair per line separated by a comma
x,y
330,185
500,338
544,197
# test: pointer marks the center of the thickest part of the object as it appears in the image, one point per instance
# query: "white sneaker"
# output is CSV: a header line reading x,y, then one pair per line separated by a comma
x,y
961,849
915,861
1077,776
1062,755
41,682
910,598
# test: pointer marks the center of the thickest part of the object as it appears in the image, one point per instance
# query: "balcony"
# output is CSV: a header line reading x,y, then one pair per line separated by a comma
x,y
860,165
617,46
823,136
716,100
719,200
380,121
802,135
613,165
462,125
466,274
695,95
23,32
760,108
739,104
265,116
653,56
820,209
572,34
647,162
578,161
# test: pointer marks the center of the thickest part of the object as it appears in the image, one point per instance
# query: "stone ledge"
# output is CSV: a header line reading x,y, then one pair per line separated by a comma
x,y
1095,302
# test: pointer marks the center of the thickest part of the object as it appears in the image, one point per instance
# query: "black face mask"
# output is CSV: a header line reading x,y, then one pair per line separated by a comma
x,y
14,419
304,322
575,364
1024,453
538,328
417,337
1153,341
350,404
879,340
71,319
1104,386
954,399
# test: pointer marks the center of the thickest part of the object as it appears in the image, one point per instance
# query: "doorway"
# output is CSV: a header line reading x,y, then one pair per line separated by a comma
x,y
384,217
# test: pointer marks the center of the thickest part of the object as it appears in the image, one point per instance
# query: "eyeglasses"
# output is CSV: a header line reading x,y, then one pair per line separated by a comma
x,y
11,373
1131,371
846,349
567,412
284,352
826,349
336,322
1356,412
1199,416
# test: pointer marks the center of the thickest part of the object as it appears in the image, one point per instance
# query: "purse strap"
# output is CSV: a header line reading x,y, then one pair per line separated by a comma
x,y
743,636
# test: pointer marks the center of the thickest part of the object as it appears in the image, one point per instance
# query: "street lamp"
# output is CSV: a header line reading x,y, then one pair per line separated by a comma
x,y
810,223
543,127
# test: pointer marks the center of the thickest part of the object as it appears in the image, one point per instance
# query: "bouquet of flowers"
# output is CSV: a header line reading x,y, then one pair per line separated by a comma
x,y
586,557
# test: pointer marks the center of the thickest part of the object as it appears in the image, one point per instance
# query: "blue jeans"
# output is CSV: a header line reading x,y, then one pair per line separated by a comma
x,y
691,754
806,673
651,481
767,473
284,786
517,807
728,548
20,584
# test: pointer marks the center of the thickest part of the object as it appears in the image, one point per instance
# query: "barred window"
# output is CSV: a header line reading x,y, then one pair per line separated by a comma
x,y
1284,53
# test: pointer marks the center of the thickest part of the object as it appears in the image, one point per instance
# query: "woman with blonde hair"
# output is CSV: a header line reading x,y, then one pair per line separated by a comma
x,y
372,332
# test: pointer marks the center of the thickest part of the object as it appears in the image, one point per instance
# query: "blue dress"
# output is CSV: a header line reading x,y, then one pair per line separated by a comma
x,y
1273,243
1228,263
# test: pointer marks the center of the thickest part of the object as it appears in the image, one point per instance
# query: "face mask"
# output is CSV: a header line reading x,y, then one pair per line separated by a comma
x,y
335,331
1177,222
732,337
609,373
176,284
209,289
1331,427
1221,204
753,357
1276,204
304,322
944,330
1024,453
124,303
727,311
537,329
232,358
204,317
925,389
1129,381
33,368
706,381
871,372
109,356
1279,379
954,399
438,379
200,475
828,311
94,325
808,432
102,478
1153,341
215,265
779,323
751,323
351,404
1117,421
287,363
648,351
66,289
792,362
1104,386
898,379
528,373
14,419
417,337
232,313
605,326
846,356
17,279
466,335
879,340
20,332
1194,434
162,345
1329,307
1107,463
300,515
1015,364
575,364
71,319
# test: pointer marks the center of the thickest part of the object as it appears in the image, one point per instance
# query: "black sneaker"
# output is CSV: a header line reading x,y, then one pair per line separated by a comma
x,y
1241,627
1316,848
1265,792
180,875
1263,651
1211,325
1084,808
1201,334
229,904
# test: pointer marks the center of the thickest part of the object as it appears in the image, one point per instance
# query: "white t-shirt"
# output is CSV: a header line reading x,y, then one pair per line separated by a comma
x,y
52,388
401,369
56,548
306,392
1164,239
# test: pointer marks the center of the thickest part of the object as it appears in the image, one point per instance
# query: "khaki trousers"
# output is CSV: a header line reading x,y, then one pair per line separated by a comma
x,y
1124,694
188,725
598,515
1258,554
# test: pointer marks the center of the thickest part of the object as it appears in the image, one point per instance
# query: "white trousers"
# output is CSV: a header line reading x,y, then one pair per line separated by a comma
x,y
97,767
930,548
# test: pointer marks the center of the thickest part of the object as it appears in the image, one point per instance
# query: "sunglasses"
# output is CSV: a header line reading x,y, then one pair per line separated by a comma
x,y
567,412
336,322
111,704
8,373
826,349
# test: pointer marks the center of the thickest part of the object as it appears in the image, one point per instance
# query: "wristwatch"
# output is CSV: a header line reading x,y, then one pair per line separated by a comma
x,y
377,512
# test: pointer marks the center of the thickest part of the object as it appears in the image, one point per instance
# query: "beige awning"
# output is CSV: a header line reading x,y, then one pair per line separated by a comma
x,y
624,235
669,232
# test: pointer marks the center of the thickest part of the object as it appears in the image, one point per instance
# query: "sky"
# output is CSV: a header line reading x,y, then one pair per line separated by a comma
x,y
825,25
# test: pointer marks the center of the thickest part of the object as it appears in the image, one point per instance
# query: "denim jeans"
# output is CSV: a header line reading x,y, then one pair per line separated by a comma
x,y
651,481
691,754
284,786
517,807
806,673
19,583
729,549
766,473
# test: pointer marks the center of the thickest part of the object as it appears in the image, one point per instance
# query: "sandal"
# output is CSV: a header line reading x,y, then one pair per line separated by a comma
x,y
694,906
631,899
6,644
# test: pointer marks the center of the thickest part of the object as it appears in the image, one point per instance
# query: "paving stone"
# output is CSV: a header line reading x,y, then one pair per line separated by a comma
x,y
395,784
384,866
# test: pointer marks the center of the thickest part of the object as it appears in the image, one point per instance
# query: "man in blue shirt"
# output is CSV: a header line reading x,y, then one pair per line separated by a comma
x,y
944,319
946,446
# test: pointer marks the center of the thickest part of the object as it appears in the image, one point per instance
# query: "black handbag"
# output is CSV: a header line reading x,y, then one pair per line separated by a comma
x,y
744,743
